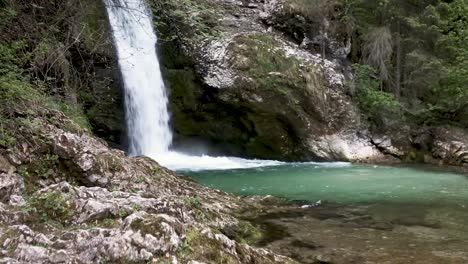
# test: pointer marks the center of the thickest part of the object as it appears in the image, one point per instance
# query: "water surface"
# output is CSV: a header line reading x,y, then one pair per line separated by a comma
x,y
357,213
342,183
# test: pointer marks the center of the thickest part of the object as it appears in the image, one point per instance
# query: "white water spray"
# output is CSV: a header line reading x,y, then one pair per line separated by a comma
x,y
146,100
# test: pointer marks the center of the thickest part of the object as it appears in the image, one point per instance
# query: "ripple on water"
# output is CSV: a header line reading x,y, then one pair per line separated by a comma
x,y
367,213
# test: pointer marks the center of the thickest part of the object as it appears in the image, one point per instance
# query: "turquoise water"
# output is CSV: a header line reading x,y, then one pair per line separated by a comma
x,y
378,213
343,183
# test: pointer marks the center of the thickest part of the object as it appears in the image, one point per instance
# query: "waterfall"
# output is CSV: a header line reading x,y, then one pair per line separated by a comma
x,y
146,112
146,101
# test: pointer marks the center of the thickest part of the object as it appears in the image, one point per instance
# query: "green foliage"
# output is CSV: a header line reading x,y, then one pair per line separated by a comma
x,y
198,246
18,94
41,168
376,104
12,58
243,232
136,207
6,138
51,206
427,67
7,14
54,46
140,179
122,213
150,225
185,19
193,202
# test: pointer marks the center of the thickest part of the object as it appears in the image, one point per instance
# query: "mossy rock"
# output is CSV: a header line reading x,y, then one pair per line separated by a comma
x,y
150,226
243,232
52,206
200,247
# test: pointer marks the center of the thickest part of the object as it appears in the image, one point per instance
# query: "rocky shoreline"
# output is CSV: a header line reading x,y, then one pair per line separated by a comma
x,y
66,197
95,205
244,79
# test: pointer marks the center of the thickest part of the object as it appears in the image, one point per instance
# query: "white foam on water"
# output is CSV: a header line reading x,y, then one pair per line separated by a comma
x,y
180,161
183,162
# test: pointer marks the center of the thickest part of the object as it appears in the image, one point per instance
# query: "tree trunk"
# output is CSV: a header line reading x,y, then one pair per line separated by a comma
x,y
398,62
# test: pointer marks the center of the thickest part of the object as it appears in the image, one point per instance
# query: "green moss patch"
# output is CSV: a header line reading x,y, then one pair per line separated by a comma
x,y
260,58
185,19
243,232
51,206
151,225
199,247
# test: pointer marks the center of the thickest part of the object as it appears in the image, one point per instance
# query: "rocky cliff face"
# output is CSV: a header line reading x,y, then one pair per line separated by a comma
x,y
252,79
270,79
250,85
66,197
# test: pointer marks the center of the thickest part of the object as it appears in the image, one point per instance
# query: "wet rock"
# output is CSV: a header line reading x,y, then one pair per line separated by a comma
x,y
384,144
346,147
451,146
273,113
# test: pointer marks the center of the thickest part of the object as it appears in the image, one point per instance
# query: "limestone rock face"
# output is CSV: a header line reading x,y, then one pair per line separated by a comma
x,y
317,29
250,89
347,147
11,184
79,201
451,147
271,79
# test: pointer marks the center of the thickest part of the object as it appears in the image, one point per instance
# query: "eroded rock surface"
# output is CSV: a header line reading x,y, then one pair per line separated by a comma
x,y
253,87
271,79
72,199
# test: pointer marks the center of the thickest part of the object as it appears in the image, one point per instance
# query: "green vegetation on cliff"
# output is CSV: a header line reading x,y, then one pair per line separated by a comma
x,y
58,55
19,93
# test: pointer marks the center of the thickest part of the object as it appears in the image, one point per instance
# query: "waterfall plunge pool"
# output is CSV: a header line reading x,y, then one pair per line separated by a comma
x,y
341,183
378,214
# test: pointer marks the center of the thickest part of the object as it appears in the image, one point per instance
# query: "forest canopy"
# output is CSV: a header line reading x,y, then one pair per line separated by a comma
x,y
412,53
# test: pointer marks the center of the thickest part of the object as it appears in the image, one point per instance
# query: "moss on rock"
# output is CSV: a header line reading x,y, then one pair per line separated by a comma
x,y
52,206
200,247
243,232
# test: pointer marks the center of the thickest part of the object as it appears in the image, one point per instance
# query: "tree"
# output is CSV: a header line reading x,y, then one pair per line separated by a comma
x,y
378,49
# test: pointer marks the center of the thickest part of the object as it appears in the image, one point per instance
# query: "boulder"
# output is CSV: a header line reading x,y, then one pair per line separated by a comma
x,y
450,145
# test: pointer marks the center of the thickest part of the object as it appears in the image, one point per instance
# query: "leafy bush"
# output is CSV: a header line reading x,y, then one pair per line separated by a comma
x,y
193,202
19,94
377,105
12,57
52,206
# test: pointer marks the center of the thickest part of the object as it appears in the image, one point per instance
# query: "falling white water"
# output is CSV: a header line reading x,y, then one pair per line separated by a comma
x,y
146,100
